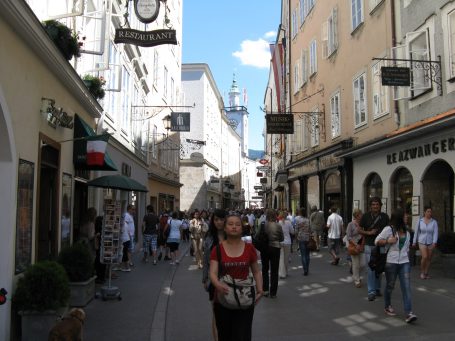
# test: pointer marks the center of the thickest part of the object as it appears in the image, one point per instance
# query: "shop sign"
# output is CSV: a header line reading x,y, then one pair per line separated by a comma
x,y
263,162
56,116
395,76
147,10
308,167
256,197
145,38
258,187
280,123
263,168
180,121
329,161
427,149
263,180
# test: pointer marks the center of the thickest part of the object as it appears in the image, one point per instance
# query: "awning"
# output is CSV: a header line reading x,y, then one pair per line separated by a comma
x,y
83,133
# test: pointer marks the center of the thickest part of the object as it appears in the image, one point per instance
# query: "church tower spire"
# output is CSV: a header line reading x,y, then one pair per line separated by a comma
x,y
234,94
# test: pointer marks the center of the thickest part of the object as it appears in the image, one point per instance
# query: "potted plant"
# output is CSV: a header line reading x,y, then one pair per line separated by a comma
x,y
41,296
95,85
446,245
78,264
64,38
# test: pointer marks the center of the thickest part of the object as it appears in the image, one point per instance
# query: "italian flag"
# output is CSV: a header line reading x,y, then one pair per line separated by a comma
x,y
96,148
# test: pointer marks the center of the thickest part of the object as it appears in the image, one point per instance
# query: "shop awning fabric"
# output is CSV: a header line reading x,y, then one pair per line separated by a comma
x,y
89,151
117,182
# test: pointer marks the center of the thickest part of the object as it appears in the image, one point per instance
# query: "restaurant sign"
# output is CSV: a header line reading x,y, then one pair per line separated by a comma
x,y
280,123
145,38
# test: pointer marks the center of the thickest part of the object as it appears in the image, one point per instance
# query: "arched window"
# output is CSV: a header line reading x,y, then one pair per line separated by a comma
x,y
373,188
402,190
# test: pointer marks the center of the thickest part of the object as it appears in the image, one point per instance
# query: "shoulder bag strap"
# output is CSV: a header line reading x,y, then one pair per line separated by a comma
x,y
218,256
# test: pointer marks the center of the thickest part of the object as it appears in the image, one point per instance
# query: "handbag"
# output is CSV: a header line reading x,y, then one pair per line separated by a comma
x,y
311,244
261,239
241,293
356,249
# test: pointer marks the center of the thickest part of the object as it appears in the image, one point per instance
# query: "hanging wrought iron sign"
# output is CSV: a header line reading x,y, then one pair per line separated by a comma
x,y
147,10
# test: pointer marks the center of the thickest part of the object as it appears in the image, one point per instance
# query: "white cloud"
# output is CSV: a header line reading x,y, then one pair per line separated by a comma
x,y
270,34
254,53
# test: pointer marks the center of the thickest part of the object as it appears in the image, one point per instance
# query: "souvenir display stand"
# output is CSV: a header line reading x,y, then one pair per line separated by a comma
x,y
110,245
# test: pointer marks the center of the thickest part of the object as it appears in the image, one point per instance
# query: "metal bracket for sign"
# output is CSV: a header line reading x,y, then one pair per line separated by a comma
x,y
432,69
306,114
185,146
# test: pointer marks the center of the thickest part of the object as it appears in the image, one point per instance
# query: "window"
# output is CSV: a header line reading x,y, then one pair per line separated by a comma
x,y
374,4
335,115
314,126
379,92
304,68
313,58
360,114
294,28
296,77
300,136
330,34
356,13
165,89
302,8
155,69
172,91
451,36
419,49
125,101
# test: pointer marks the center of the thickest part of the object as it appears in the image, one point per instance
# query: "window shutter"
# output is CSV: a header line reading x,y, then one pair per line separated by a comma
x,y
335,27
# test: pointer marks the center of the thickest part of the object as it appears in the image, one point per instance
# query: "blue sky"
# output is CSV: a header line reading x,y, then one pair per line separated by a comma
x,y
233,37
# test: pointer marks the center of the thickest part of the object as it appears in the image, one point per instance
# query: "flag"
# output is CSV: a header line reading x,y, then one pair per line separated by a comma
x,y
96,148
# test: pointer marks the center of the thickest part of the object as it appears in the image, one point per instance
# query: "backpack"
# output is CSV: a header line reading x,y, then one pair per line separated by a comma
x,y
261,239
377,261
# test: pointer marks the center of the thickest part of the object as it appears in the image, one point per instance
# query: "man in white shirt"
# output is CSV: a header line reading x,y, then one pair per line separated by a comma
x,y
335,226
129,229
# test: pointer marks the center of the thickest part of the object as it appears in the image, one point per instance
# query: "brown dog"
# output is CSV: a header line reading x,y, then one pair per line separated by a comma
x,y
69,328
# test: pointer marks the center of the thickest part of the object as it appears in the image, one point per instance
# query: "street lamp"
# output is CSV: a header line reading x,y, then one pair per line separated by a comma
x,y
167,123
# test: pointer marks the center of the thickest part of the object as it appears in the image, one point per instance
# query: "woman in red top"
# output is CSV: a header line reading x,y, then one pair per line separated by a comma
x,y
237,258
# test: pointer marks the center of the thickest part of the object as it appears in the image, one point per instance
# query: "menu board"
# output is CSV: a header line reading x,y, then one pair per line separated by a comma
x,y
110,236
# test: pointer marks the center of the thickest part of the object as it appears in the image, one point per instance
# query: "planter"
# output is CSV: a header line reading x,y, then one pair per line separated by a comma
x,y
37,324
448,264
82,292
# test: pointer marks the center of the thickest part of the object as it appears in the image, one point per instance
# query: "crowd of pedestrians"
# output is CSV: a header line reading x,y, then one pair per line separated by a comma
x,y
223,243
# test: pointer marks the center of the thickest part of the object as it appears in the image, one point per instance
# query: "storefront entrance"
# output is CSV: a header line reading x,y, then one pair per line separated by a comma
x,y
47,233
333,192
438,191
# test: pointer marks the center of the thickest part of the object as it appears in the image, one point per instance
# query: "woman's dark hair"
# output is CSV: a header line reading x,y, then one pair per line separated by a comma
x,y
397,220
426,207
174,215
218,213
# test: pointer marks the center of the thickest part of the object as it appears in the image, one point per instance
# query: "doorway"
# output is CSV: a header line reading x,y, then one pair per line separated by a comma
x,y
438,191
47,234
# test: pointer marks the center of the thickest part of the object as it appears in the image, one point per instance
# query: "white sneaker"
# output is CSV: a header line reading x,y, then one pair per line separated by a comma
x,y
411,318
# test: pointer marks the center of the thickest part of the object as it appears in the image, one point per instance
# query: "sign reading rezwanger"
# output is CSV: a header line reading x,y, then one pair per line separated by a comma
x,y
145,38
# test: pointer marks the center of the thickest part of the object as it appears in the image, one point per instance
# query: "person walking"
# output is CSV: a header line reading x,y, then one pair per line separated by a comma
x,y
163,233
353,236
426,237
397,240
150,234
237,259
197,230
371,225
317,223
303,232
270,259
214,237
129,222
288,232
173,240
335,230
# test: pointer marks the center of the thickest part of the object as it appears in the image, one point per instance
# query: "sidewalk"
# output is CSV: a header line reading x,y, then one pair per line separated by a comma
x,y
144,293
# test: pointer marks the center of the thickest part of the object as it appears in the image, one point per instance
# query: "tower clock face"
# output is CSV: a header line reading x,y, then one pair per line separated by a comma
x,y
147,10
233,123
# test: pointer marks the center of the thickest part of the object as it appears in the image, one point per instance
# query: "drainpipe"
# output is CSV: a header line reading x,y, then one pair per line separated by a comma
x,y
394,43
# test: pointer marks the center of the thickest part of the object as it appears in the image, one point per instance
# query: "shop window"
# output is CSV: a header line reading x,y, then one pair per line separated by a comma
x,y
402,190
373,188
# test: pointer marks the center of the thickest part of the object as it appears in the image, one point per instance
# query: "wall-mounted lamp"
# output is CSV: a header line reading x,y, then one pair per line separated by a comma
x,y
167,123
